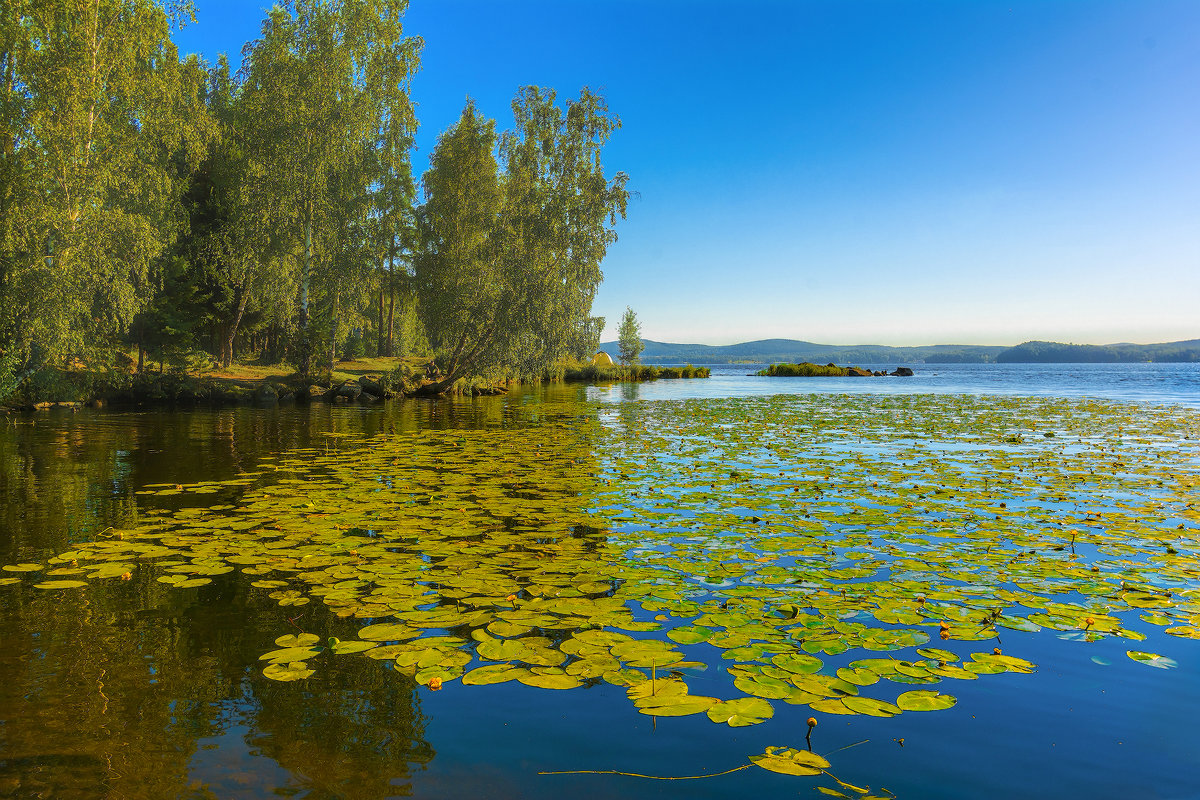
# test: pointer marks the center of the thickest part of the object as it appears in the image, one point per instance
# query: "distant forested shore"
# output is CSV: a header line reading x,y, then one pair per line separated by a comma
x,y
769,351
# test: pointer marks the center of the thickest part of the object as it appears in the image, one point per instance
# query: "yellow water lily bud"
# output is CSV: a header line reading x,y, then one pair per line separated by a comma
x,y
434,684
812,722
996,651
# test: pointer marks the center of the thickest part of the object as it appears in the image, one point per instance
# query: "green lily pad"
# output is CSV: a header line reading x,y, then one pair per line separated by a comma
x,y
678,706
921,700
550,681
858,677
340,647
741,712
871,707
290,654
493,673
298,640
789,761
294,671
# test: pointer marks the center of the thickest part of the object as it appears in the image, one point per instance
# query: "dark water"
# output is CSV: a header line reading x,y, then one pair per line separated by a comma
x,y
125,691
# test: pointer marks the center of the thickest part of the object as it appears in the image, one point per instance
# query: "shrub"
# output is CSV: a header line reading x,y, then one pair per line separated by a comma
x,y
803,370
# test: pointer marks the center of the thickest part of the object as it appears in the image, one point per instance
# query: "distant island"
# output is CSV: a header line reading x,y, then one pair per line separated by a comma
x,y
768,351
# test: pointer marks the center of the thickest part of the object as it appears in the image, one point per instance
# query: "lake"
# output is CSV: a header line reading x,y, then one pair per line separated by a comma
x,y
652,587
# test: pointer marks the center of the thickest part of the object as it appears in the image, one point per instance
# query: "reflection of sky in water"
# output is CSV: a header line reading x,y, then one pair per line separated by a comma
x,y
1149,383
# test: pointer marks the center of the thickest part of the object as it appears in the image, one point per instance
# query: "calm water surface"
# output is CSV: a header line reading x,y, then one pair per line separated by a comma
x,y
129,691
1173,384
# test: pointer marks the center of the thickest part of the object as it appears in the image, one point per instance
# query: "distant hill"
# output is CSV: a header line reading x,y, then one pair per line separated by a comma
x,y
768,351
1058,353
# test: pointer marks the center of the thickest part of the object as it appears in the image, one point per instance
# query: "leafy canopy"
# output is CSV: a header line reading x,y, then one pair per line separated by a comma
x,y
512,233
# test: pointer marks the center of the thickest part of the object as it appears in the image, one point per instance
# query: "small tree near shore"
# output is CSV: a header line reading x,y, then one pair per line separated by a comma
x,y
629,337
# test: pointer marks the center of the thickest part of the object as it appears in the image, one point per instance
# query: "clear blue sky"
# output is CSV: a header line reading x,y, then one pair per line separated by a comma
x,y
851,172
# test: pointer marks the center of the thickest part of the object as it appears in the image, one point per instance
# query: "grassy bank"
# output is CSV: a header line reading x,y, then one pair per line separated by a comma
x,y
358,380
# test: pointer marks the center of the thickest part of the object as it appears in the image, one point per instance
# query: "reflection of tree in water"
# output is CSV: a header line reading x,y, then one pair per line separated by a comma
x,y
66,476
123,688
350,732
115,691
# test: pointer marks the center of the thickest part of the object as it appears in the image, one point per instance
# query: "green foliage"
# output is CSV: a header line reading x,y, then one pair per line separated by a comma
x,y
399,380
9,375
509,260
629,337
805,370
354,346
1056,352
151,202
327,115
100,122
596,373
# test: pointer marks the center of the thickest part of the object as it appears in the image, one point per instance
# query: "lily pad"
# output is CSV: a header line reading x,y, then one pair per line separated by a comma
x,y
294,671
1152,659
921,700
741,712
789,761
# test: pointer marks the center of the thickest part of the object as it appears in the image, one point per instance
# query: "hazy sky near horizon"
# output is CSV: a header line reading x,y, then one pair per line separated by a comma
x,y
857,171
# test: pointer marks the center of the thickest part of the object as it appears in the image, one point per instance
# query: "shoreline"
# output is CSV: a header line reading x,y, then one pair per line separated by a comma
x,y
344,386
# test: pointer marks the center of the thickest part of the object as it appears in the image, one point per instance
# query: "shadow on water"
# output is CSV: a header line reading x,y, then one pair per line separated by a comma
x,y
140,690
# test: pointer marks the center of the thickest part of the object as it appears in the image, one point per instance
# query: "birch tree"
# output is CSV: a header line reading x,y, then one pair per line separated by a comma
x,y
100,124
510,260
320,80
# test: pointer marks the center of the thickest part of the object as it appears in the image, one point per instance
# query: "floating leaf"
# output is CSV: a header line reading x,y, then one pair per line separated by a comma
x,y
1152,659
741,712
493,673
60,584
287,672
789,761
298,640
871,706
678,706
921,700
192,583
386,632
550,681
346,647
290,654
